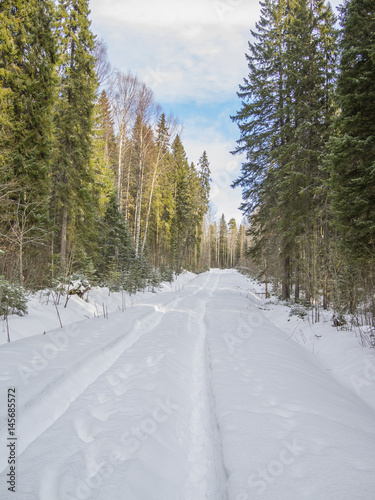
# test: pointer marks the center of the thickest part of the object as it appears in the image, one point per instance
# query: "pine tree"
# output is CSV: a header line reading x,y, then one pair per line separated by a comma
x,y
72,176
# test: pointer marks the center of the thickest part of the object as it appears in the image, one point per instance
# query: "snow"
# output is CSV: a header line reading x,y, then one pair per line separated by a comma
x,y
204,391
42,315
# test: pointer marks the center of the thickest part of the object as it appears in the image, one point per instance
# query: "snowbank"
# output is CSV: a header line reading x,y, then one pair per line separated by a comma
x,y
43,315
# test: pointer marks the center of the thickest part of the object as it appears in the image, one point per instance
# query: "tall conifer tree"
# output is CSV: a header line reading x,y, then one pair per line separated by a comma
x,y
72,175
181,200
284,124
27,92
353,149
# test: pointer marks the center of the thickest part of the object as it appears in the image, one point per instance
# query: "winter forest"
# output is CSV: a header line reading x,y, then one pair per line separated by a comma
x,y
153,347
95,180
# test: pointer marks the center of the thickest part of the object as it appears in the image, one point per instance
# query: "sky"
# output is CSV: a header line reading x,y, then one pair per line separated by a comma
x,y
192,55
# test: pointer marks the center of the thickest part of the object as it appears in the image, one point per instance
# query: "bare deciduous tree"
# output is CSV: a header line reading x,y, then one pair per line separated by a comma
x,y
22,230
124,95
103,67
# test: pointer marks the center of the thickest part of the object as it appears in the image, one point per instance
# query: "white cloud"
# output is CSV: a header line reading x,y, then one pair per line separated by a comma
x,y
195,49
186,62
187,52
172,12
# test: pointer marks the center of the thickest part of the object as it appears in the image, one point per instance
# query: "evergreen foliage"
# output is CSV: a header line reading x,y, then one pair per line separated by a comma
x,y
353,147
12,299
73,178
27,91
117,249
285,121
309,143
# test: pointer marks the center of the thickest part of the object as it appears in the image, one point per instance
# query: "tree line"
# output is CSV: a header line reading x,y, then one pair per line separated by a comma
x,y
94,178
307,131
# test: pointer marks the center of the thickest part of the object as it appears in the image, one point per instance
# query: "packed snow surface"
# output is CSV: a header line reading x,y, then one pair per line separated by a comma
x,y
202,392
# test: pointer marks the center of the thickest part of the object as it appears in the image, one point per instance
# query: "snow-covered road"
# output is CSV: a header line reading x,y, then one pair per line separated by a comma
x,y
189,395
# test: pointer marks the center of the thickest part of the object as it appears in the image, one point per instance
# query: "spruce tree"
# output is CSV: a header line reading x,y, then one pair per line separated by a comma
x,y
284,124
203,195
353,148
27,92
117,250
104,153
72,175
205,179
263,122
180,223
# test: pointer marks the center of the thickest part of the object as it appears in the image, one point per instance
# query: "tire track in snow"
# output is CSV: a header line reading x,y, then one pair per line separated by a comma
x,y
35,416
206,478
53,399
221,475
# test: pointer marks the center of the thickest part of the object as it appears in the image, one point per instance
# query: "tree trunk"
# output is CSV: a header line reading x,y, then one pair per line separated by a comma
x,y
64,228
285,287
149,209
119,174
138,207
21,261
296,285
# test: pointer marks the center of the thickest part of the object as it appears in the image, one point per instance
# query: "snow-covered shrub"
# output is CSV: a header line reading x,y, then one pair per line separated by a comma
x,y
12,299
338,319
76,284
298,310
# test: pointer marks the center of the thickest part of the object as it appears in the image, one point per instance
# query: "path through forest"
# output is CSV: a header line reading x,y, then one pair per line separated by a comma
x,y
189,395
